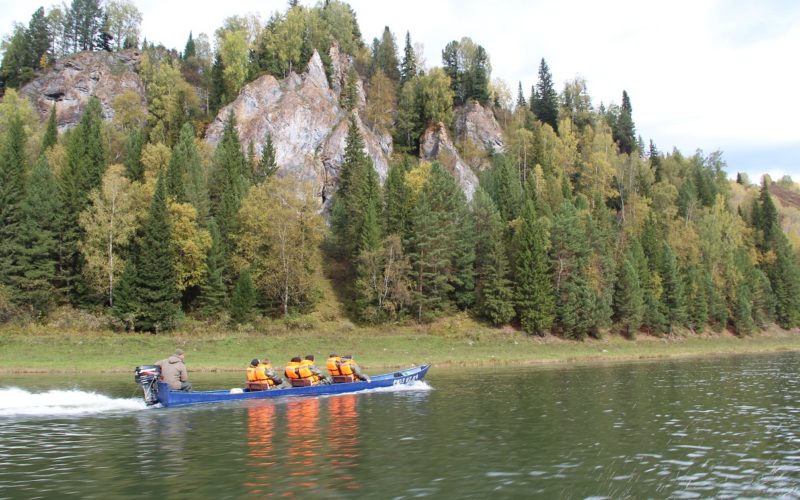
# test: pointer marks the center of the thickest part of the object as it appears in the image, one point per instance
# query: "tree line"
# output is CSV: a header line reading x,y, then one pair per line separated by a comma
x,y
576,226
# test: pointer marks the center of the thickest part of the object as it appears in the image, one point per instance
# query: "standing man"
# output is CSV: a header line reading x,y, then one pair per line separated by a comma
x,y
173,372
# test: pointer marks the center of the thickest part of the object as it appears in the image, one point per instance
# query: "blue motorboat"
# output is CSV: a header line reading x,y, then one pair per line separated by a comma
x,y
158,392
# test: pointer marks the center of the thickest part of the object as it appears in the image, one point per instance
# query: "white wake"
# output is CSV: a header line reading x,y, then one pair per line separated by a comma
x,y
19,402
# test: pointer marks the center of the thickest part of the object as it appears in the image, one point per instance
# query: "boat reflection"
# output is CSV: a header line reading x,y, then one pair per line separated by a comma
x,y
315,439
342,431
261,457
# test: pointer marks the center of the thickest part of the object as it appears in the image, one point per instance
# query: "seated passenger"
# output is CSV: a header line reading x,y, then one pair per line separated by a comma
x,y
316,374
292,370
257,379
348,366
272,375
333,365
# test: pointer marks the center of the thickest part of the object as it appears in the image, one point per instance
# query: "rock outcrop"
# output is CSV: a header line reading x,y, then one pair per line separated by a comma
x,y
436,145
476,124
73,80
301,114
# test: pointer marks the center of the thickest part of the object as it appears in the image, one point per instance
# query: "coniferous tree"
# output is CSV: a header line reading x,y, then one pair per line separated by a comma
x,y
397,200
50,138
83,172
244,298
267,166
655,161
189,50
544,101
216,94
39,237
385,55
521,102
784,275
132,159
150,295
628,298
575,302
13,171
534,296
696,300
494,293
674,298
408,67
212,290
229,183
350,94
743,316
624,131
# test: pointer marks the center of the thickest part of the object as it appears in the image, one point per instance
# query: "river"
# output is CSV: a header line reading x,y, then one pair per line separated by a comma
x,y
715,427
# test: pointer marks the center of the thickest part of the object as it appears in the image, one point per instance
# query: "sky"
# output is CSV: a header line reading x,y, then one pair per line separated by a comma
x,y
701,74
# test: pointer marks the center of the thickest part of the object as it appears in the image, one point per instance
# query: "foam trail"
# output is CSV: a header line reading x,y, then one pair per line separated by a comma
x,y
417,385
19,402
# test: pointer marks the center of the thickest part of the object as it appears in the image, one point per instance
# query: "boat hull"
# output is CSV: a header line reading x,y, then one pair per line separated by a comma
x,y
168,397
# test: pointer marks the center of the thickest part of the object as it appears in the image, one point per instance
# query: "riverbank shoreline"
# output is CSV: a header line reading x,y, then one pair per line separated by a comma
x,y
39,350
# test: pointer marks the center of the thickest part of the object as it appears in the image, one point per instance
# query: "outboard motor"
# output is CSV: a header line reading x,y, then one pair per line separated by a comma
x,y
147,376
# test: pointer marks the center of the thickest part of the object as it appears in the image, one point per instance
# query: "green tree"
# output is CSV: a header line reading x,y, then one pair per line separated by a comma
x,y
150,299
544,102
13,172
628,298
212,289
624,129
124,23
494,292
244,298
674,298
267,165
189,50
132,156
397,199
408,67
533,286
50,138
39,237
384,56
86,16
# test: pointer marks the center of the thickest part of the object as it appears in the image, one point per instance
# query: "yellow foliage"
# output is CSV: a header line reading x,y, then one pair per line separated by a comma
x,y
155,158
417,177
191,244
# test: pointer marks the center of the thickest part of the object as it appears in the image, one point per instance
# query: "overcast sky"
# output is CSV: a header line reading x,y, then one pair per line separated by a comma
x,y
707,74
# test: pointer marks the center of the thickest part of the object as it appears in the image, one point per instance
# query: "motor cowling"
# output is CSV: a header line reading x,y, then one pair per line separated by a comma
x,y
147,377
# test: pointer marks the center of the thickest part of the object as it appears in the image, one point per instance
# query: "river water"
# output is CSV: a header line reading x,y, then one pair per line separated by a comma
x,y
719,427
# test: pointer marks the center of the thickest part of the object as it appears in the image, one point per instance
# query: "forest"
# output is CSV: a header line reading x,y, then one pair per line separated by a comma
x,y
577,227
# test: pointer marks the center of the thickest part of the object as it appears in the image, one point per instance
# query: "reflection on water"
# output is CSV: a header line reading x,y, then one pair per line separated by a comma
x,y
303,441
261,457
342,456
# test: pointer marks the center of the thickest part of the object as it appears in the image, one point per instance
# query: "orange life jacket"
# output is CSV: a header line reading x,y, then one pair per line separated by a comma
x,y
333,366
256,373
293,370
346,367
305,371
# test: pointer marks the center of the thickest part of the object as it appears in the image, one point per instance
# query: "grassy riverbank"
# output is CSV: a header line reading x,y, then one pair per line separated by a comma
x,y
456,341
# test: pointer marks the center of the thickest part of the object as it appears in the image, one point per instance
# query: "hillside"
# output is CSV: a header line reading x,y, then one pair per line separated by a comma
x,y
273,176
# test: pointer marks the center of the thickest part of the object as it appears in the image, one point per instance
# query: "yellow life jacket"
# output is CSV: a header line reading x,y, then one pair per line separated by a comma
x,y
262,371
256,374
305,371
333,365
292,370
346,367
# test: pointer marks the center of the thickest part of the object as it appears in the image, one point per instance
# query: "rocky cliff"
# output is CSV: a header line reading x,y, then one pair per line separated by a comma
x,y
301,113
477,124
70,82
436,145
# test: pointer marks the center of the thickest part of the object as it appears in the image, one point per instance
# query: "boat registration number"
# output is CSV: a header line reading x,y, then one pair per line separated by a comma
x,y
406,380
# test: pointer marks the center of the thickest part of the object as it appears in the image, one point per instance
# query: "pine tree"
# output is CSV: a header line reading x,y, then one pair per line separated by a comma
x,y
244,298
189,50
178,164
39,237
134,170
13,171
534,296
216,94
50,138
624,131
696,300
629,299
83,172
479,77
267,166
397,202
149,290
521,102
575,302
674,298
494,292
544,101
784,275
408,67
655,162
350,95
743,317
195,189
212,294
